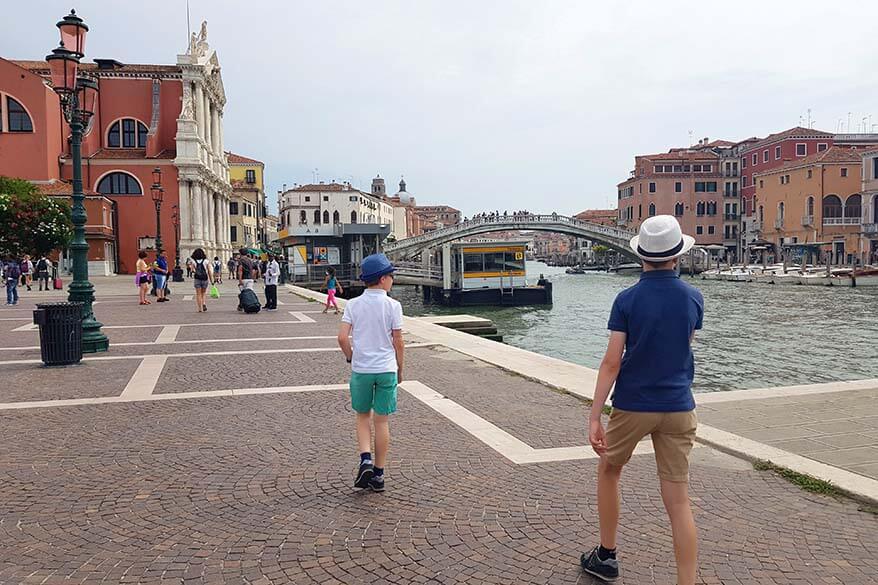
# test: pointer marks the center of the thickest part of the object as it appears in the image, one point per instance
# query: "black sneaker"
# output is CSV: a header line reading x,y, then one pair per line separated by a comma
x,y
376,484
592,564
364,475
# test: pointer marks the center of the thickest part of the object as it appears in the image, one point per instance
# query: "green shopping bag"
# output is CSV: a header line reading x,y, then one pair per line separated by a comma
x,y
214,292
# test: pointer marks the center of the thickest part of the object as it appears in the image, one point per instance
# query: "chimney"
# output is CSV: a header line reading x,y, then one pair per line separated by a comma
x,y
706,140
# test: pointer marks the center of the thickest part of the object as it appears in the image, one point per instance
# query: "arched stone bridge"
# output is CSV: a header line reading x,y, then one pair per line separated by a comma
x,y
615,238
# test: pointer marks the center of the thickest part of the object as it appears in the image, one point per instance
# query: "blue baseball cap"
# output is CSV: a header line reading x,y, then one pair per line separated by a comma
x,y
374,267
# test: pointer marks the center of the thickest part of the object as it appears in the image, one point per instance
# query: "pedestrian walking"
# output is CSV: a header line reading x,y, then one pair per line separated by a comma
x,y
232,265
42,269
201,272
376,358
330,283
649,359
160,274
217,270
12,275
188,266
142,276
248,271
272,272
27,271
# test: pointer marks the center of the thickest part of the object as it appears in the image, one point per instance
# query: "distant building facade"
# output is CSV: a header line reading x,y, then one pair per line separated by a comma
x,y
870,202
247,209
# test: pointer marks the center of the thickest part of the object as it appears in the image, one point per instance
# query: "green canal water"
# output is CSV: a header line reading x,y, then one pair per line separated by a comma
x,y
754,335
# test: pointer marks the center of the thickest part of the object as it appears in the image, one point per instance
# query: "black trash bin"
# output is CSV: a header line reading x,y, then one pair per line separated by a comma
x,y
60,332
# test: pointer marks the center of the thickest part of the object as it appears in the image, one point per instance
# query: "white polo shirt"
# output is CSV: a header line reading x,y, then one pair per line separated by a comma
x,y
373,316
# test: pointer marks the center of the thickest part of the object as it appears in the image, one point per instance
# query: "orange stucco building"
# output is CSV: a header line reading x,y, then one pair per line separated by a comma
x,y
147,116
816,199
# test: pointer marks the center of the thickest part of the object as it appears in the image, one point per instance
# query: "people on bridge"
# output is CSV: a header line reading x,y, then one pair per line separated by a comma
x,y
376,357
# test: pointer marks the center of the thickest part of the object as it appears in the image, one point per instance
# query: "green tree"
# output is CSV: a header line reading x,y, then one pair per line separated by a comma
x,y
31,223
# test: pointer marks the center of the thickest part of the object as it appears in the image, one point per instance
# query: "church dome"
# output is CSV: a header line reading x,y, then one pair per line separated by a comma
x,y
404,196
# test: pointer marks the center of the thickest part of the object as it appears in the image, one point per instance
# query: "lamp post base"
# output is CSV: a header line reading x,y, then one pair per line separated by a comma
x,y
93,341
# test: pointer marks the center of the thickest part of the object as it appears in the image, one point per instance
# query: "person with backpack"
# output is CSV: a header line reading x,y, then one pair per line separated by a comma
x,y
43,272
201,272
248,271
272,271
13,274
27,270
217,270
232,266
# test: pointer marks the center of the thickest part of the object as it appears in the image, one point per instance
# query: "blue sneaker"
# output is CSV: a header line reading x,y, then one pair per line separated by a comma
x,y
376,484
364,474
592,564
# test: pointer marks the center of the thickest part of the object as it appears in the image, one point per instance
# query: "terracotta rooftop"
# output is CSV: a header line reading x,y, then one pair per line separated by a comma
x,y
797,132
238,159
681,154
832,155
61,188
42,68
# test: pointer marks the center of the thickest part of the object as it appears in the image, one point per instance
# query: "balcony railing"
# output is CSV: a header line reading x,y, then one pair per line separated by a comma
x,y
778,223
870,228
808,220
731,216
842,221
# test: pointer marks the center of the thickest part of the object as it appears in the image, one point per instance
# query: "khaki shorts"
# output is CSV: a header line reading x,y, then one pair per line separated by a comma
x,y
673,434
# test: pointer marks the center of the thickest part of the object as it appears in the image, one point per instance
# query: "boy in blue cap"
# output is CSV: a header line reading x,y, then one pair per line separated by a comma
x,y
376,357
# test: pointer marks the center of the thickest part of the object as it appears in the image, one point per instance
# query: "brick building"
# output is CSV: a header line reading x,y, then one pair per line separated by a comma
x,y
148,116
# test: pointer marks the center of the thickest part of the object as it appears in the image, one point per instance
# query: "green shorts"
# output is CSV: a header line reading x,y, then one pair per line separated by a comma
x,y
373,392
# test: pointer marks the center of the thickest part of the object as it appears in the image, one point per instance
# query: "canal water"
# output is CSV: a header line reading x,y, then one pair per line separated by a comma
x,y
754,335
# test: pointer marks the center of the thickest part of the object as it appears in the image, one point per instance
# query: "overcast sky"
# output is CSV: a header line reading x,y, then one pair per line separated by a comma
x,y
492,105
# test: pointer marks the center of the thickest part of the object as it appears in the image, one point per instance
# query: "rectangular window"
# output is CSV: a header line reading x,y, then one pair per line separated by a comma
x,y
699,187
250,176
821,146
711,229
755,159
233,208
801,149
669,169
686,168
652,187
326,197
844,172
765,155
699,230
743,180
777,153
711,186
659,169
743,162
473,263
128,140
307,198
234,233
707,168
810,173
678,186
678,168
875,168
696,168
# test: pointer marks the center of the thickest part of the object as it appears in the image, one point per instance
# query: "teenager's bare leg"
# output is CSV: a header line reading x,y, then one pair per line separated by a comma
x,y
608,501
364,432
382,439
675,495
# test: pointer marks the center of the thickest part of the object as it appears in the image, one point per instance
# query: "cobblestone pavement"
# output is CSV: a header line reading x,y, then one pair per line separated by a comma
x,y
257,489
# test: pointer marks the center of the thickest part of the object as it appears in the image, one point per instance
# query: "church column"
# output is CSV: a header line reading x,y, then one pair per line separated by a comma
x,y
211,218
214,130
183,211
199,109
225,222
208,116
205,214
197,214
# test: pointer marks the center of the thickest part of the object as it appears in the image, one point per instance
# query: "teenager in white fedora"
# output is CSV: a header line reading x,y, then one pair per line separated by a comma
x,y
661,239
651,324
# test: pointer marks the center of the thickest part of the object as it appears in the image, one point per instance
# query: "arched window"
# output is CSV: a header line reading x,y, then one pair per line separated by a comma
x,y
316,217
678,209
832,207
651,209
353,217
119,184
336,218
780,211
127,133
303,217
811,206
853,207
761,214
700,208
325,217
17,119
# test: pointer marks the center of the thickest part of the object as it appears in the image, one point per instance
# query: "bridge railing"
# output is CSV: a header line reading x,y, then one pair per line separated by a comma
x,y
418,270
510,222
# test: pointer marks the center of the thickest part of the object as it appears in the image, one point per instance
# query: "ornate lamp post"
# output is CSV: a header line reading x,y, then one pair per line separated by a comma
x,y
158,194
78,96
175,219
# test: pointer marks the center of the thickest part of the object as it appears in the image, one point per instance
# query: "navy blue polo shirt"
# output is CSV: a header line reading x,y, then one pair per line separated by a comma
x,y
658,316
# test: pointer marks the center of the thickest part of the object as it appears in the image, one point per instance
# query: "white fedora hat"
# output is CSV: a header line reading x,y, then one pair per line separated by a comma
x,y
661,239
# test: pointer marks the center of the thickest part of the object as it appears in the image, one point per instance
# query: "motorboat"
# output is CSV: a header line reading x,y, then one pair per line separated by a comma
x,y
627,268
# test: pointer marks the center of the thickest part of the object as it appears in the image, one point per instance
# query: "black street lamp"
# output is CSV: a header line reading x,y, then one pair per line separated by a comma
x,y
78,96
158,194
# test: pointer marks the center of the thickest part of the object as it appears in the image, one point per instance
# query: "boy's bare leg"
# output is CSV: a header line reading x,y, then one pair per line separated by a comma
x,y
608,502
382,439
676,498
364,432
